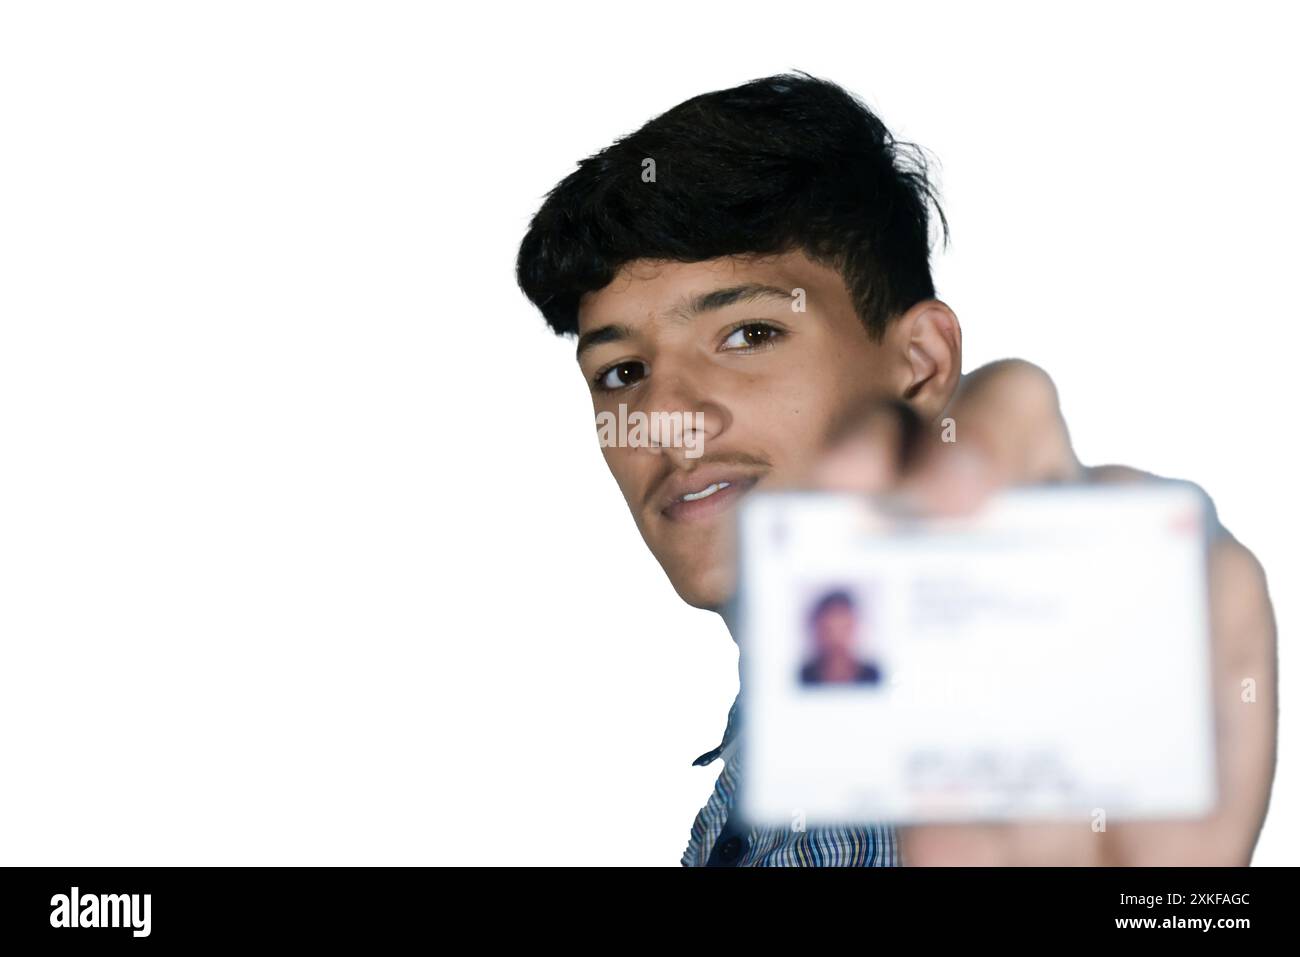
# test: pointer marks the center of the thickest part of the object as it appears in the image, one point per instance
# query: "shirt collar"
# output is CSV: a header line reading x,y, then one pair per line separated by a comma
x,y
733,729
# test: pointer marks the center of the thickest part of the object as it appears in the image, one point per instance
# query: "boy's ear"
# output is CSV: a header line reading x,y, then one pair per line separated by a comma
x,y
927,341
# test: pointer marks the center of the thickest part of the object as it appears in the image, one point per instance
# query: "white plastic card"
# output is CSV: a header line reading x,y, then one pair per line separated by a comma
x,y
1046,658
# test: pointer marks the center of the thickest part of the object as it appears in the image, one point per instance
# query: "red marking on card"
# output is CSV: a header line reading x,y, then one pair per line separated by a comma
x,y
1186,523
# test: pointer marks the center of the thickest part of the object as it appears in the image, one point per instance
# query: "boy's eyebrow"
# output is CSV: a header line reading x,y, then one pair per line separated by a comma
x,y
614,333
704,302
720,298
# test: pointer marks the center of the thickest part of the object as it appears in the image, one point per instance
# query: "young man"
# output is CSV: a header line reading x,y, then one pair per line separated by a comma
x,y
756,261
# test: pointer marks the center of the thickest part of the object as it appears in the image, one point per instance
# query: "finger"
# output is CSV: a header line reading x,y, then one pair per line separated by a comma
x,y
870,449
1244,635
952,845
948,480
885,447
1013,844
1010,411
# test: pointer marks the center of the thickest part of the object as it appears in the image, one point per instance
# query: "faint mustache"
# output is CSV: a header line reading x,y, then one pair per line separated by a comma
x,y
741,459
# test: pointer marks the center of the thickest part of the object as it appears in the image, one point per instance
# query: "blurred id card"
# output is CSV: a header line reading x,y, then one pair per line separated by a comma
x,y
1047,658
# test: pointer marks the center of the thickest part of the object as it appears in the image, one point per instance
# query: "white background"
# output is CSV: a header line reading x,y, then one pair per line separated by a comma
x,y
307,551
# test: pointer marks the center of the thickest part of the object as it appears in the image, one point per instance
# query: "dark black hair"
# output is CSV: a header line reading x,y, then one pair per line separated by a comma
x,y
833,599
782,163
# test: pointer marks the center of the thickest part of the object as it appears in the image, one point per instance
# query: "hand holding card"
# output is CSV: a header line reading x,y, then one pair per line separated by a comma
x,y
1044,771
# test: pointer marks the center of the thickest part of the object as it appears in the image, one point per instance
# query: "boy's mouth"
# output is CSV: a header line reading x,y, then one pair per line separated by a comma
x,y
692,497
705,493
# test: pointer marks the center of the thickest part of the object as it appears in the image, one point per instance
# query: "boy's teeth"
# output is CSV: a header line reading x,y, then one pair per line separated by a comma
x,y
705,493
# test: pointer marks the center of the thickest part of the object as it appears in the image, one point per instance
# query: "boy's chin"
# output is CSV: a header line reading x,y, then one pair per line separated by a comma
x,y
709,589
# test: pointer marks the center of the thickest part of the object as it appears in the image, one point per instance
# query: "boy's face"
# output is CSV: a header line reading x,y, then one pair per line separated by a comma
x,y
769,381
836,627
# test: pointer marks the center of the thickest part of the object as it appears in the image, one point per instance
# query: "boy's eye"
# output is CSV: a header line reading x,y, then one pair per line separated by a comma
x,y
621,376
752,335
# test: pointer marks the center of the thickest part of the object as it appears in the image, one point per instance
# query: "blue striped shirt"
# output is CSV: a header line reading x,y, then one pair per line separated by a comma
x,y
720,838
